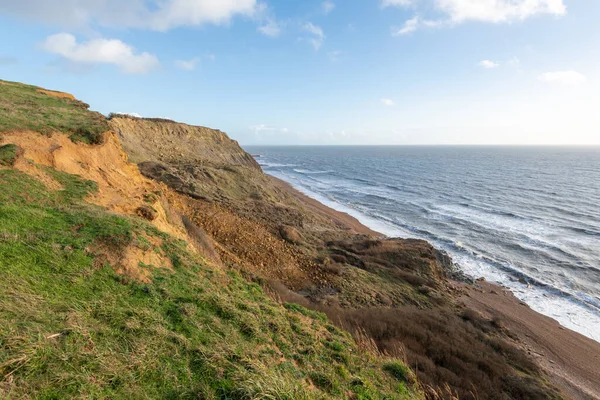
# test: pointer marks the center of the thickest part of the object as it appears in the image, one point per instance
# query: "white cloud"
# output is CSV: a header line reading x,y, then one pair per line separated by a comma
x,y
396,3
388,102
498,10
327,6
262,128
415,23
101,51
271,28
488,64
188,65
159,15
334,56
191,65
317,35
410,26
134,115
459,11
563,77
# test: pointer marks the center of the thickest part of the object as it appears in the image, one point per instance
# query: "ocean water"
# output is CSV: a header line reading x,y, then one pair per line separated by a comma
x,y
527,218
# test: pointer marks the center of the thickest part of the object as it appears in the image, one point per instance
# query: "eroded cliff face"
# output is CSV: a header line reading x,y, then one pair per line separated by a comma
x,y
200,186
166,141
393,291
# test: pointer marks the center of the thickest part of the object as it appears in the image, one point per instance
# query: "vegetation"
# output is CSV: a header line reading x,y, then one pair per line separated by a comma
x,y
8,155
131,116
96,305
465,353
25,107
71,327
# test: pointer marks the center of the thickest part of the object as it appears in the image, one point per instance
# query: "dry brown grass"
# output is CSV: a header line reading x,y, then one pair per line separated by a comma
x,y
453,355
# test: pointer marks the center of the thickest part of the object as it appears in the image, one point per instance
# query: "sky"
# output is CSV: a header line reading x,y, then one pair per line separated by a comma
x,y
323,72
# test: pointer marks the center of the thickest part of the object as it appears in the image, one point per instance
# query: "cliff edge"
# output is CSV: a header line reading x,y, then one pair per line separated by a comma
x,y
191,273
396,293
167,141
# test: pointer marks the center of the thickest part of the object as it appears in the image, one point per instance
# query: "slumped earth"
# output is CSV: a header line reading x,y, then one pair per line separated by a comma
x,y
194,275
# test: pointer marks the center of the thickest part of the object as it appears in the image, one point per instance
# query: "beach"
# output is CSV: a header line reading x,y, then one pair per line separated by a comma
x,y
570,359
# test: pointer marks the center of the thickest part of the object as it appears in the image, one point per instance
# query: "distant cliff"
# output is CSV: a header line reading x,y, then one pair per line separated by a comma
x,y
167,141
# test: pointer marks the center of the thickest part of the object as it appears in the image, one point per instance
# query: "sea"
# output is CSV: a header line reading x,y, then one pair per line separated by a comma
x,y
527,218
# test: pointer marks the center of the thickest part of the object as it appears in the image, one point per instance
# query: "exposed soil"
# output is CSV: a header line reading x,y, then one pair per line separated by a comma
x,y
170,141
395,291
337,218
60,95
121,187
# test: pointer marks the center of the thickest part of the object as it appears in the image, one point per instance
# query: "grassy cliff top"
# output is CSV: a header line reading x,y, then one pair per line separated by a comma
x,y
25,107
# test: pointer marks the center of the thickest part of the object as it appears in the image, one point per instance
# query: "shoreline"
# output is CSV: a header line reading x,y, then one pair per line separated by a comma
x,y
569,358
340,218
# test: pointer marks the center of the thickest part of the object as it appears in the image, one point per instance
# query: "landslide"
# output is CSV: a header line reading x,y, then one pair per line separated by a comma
x,y
394,292
108,291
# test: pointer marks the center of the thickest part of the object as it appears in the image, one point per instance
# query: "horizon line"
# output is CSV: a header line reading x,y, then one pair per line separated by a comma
x,y
429,145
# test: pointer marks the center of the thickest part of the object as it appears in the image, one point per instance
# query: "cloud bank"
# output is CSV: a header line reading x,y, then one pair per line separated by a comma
x,y
159,15
101,51
488,64
453,12
563,77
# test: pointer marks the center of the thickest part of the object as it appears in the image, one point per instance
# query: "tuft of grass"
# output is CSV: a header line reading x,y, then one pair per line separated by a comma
x,y
306,312
398,370
70,327
8,154
25,107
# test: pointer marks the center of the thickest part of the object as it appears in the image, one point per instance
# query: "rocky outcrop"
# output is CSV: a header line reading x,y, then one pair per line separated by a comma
x,y
168,141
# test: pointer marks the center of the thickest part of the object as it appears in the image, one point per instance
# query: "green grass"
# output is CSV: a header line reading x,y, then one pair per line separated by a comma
x,y
70,327
23,107
8,155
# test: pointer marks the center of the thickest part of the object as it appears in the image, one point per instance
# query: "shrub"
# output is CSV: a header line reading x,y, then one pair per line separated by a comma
x,y
450,353
9,154
398,371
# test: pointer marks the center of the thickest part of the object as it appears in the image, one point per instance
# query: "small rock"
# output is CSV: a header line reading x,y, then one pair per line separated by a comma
x,y
146,212
290,235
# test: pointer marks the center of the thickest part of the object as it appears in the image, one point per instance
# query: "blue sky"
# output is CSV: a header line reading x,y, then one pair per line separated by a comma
x,y
323,72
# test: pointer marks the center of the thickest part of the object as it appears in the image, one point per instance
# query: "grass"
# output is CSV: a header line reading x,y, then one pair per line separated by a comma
x,y
70,327
24,107
464,354
8,155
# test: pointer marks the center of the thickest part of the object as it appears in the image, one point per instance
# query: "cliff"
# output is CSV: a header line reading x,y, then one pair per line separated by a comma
x,y
193,274
107,290
167,141
396,292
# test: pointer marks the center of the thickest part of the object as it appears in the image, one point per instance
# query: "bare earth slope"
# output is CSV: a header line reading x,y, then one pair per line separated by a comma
x,y
146,312
167,141
101,298
394,292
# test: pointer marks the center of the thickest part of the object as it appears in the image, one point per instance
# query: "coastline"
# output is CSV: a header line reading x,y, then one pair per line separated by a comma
x,y
569,358
340,218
